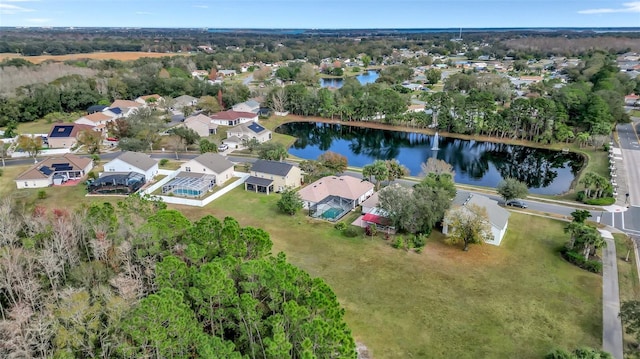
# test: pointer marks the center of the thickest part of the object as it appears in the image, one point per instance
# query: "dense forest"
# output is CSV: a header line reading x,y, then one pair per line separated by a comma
x,y
137,280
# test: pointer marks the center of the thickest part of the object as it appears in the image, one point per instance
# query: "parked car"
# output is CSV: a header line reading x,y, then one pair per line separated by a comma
x,y
112,139
516,203
223,147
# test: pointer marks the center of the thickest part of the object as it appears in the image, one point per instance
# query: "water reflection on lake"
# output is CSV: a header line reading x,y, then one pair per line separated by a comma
x,y
475,162
364,78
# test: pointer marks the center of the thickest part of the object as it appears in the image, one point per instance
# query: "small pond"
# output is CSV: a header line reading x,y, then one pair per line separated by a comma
x,y
367,77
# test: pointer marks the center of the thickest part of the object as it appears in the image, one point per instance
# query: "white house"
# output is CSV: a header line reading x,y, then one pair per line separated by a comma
x,y
133,162
210,164
233,118
498,216
248,131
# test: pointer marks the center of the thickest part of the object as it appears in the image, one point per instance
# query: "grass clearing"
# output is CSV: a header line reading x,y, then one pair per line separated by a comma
x,y
122,56
519,300
628,281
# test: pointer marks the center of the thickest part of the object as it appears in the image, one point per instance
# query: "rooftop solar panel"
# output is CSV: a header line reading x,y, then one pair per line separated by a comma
x,y
64,168
116,110
256,128
61,131
45,170
56,165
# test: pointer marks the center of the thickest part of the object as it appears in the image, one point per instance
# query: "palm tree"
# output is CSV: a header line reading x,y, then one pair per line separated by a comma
x,y
574,229
588,180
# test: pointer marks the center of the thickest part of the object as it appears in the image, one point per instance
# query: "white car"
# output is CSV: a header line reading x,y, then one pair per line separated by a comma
x,y
223,147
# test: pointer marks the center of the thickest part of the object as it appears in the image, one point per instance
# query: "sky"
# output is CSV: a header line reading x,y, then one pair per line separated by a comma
x,y
325,14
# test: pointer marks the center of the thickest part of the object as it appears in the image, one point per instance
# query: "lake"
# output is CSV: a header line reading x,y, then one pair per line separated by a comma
x,y
475,162
364,78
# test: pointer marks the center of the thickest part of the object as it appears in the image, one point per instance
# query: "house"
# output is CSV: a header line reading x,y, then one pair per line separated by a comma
x,y
126,106
97,120
233,118
631,100
152,100
416,106
201,74
332,197
269,176
210,164
54,170
137,162
65,135
203,125
248,131
498,216
250,105
227,73
183,101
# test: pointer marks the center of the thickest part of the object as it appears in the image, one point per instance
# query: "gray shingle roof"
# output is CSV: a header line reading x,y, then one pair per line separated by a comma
x,y
214,162
272,167
498,216
138,159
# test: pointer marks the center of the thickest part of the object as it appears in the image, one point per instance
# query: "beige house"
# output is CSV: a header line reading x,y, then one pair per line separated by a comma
x,y
201,124
98,120
210,164
273,176
332,197
54,171
65,135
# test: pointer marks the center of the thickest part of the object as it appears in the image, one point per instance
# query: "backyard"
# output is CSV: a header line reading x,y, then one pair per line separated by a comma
x,y
519,300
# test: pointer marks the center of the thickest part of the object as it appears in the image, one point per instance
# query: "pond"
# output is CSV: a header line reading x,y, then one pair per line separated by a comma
x,y
367,77
475,162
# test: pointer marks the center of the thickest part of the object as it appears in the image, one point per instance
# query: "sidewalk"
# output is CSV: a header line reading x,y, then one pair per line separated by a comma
x,y
611,324
618,175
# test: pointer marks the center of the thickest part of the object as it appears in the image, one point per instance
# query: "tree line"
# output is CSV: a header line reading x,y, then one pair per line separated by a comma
x,y
138,280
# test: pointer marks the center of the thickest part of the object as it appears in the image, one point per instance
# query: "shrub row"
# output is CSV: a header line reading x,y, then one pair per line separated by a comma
x,y
579,260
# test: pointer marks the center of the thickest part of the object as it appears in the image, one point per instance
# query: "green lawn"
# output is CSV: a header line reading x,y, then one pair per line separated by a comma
x,y
519,300
628,280
39,126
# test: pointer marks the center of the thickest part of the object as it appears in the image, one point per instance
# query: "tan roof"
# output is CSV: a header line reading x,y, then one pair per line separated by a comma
x,y
97,117
78,163
214,162
146,97
206,120
138,159
125,104
531,78
344,186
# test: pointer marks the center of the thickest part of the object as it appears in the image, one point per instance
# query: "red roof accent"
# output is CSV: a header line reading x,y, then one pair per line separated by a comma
x,y
372,218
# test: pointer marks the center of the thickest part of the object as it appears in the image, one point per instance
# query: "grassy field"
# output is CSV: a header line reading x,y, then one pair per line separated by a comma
x,y
628,280
123,56
519,300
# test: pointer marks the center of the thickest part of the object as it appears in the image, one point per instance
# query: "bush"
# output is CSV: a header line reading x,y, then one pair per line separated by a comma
x,y
593,266
398,242
419,241
350,232
371,230
579,260
580,196
341,226
604,201
42,194
163,162
92,175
